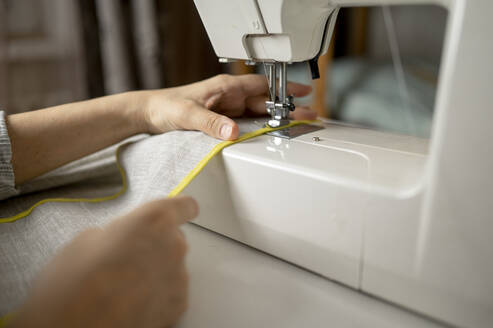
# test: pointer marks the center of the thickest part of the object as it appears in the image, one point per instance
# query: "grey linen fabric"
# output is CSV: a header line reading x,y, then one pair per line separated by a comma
x,y
154,165
7,184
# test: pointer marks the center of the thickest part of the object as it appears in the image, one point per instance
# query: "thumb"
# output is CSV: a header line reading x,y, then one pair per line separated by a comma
x,y
213,124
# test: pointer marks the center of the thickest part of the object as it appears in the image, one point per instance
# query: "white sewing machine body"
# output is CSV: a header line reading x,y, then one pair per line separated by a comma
x,y
306,201
405,219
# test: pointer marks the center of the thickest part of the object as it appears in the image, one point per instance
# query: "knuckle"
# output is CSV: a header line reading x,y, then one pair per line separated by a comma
x,y
171,214
212,122
223,78
153,210
166,224
163,224
157,213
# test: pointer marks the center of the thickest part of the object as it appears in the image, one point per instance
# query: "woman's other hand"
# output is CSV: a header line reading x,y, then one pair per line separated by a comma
x,y
209,105
129,274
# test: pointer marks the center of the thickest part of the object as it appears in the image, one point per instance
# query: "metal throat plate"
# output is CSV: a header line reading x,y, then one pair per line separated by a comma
x,y
295,131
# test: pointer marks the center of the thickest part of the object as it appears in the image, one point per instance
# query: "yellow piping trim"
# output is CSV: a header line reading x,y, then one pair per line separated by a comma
x,y
25,213
177,190
220,146
5,320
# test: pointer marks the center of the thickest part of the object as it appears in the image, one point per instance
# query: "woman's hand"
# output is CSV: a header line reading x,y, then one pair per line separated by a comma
x,y
45,139
209,104
131,274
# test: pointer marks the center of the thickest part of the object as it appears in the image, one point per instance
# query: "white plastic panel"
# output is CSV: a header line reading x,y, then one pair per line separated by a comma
x,y
359,3
305,201
302,22
228,23
440,262
276,214
260,47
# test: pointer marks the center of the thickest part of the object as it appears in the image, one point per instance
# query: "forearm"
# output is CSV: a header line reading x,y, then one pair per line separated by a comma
x,y
46,139
49,138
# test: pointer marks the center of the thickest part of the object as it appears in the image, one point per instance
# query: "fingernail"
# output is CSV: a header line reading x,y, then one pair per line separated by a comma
x,y
225,131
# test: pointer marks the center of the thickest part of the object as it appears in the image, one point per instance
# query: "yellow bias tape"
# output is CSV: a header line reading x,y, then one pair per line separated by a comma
x,y
5,320
220,146
25,213
177,190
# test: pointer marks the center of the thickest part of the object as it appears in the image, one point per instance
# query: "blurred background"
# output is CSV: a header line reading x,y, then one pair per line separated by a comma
x,y
381,70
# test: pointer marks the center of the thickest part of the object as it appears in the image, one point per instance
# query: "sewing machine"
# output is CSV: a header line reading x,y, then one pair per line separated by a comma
x,y
408,220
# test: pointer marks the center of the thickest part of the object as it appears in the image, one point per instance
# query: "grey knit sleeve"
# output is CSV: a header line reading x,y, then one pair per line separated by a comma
x,y
7,181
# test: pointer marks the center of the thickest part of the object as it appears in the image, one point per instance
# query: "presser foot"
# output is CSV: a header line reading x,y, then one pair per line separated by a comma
x,y
294,131
274,123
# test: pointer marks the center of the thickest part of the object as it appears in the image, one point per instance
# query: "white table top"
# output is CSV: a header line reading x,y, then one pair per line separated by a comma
x,y
233,285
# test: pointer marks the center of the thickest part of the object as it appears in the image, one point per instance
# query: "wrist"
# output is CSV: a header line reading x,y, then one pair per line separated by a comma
x,y
135,113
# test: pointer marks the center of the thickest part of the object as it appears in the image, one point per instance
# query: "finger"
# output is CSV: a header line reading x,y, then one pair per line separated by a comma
x,y
185,208
175,210
303,113
218,126
298,89
181,208
256,104
254,84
